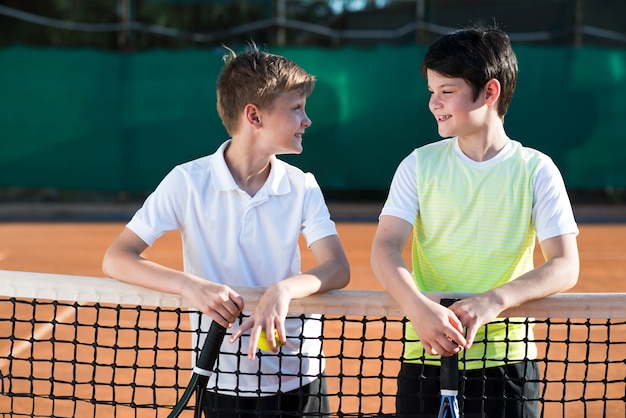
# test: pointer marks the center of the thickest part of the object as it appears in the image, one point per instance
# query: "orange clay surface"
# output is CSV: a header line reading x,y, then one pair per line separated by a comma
x,y
77,248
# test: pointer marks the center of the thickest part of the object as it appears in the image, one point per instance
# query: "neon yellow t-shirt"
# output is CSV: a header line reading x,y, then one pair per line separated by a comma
x,y
474,232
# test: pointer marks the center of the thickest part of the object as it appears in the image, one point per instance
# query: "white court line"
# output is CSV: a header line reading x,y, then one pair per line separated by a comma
x,y
42,333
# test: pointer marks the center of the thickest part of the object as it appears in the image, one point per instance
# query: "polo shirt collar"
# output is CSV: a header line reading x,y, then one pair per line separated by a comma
x,y
276,184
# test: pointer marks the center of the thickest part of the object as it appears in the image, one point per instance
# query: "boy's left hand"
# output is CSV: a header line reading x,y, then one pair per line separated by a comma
x,y
474,312
269,315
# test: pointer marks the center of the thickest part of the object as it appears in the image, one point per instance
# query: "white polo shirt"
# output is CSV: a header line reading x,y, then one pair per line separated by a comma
x,y
229,237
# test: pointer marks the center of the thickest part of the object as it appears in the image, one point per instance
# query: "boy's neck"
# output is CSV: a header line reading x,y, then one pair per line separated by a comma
x,y
485,143
250,170
484,146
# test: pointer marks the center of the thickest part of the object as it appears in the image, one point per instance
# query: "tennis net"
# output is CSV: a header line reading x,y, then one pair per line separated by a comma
x,y
75,346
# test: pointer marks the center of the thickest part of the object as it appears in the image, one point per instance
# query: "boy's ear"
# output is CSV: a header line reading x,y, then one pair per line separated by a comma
x,y
492,91
252,113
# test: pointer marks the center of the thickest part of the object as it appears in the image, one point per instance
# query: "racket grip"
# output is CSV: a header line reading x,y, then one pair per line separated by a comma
x,y
450,372
449,365
211,347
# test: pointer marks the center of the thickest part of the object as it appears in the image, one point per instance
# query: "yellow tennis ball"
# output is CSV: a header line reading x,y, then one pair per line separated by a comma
x,y
263,344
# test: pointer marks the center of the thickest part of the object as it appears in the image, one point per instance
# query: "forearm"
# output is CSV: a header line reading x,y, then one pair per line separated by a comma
x,y
390,267
332,271
556,275
391,270
332,274
131,268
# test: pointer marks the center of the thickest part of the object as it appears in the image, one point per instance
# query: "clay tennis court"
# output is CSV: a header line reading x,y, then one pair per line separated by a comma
x,y
76,248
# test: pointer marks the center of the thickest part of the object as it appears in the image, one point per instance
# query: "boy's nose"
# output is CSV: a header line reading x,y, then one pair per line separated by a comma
x,y
434,103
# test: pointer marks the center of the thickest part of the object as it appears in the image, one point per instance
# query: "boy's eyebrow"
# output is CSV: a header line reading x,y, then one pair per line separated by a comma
x,y
443,85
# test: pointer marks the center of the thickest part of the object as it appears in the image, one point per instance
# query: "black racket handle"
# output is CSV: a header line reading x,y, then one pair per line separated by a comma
x,y
201,371
211,347
449,365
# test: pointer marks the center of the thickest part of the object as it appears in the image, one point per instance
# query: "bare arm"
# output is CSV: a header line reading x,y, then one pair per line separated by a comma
x,y
123,261
557,274
331,272
438,328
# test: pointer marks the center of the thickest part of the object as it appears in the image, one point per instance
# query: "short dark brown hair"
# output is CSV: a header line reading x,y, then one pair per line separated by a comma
x,y
476,55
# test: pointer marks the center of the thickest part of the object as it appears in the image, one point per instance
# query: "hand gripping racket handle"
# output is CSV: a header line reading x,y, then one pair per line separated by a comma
x,y
210,350
449,365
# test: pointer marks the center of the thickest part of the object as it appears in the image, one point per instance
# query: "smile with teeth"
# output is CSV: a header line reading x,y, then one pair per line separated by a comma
x,y
443,117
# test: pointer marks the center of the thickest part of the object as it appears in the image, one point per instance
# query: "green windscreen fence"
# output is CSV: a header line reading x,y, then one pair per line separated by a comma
x,y
86,119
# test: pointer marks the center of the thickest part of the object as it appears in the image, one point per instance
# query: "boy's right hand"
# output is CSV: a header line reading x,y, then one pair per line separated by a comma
x,y
439,330
218,301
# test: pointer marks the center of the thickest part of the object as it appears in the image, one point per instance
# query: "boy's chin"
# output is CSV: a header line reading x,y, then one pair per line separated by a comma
x,y
444,133
293,151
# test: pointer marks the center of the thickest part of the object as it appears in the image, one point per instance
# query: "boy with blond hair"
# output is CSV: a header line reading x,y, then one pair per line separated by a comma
x,y
240,212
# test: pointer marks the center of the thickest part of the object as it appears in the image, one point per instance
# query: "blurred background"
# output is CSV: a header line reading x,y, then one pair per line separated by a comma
x,y
100,99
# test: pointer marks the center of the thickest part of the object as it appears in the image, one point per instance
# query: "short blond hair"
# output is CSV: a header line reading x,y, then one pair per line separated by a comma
x,y
255,77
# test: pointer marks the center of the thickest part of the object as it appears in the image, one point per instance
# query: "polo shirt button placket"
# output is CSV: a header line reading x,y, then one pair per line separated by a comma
x,y
247,222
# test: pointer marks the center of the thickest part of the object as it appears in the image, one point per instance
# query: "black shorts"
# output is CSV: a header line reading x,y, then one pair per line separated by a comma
x,y
510,391
308,401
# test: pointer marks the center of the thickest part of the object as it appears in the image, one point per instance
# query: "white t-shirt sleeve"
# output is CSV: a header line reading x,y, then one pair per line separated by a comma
x,y
162,210
402,200
552,210
316,221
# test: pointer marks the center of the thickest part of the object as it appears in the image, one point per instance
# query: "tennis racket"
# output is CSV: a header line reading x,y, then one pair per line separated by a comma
x,y
449,381
202,371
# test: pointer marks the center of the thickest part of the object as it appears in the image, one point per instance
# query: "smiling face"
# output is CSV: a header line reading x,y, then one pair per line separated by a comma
x,y
453,106
285,123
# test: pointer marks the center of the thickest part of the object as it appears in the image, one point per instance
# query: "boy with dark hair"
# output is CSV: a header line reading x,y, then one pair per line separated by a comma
x,y
474,203
240,212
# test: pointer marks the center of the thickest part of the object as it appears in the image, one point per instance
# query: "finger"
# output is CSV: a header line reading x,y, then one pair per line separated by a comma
x,y
219,319
241,329
471,334
455,322
455,332
228,310
273,339
430,349
455,338
451,347
282,333
223,317
445,346
237,300
253,342
219,312
235,335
